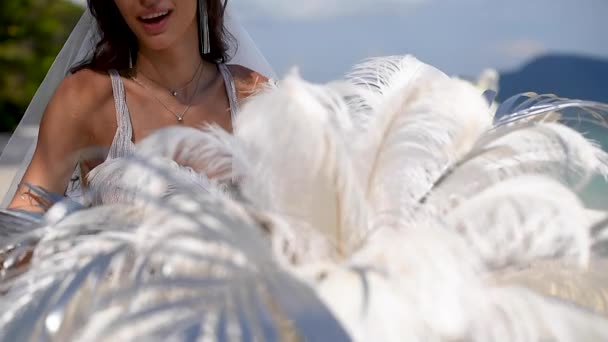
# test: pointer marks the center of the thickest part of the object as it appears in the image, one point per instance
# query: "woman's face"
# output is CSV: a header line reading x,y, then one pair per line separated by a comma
x,y
158,24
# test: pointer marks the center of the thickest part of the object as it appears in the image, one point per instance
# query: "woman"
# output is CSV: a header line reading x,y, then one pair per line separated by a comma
x,y
158,63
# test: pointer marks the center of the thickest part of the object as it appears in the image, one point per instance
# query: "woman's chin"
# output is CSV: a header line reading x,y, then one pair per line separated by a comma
x,y
158,43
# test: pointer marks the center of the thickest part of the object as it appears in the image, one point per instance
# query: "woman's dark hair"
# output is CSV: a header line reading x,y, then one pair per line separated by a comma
x,y
118,41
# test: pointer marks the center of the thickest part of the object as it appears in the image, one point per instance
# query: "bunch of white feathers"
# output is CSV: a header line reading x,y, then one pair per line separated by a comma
x,y
390,206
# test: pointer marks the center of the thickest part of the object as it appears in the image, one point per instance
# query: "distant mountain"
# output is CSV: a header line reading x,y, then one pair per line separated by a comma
x,y
575,77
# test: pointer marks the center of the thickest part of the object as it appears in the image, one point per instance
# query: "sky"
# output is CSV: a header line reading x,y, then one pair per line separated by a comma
x,y
324,38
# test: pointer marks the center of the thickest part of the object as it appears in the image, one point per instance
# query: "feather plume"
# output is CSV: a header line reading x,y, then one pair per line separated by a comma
x,y
15,222
548,149
301,164
464,215
137,180
522,219
167,274
561,279
524,108
423,121
210,150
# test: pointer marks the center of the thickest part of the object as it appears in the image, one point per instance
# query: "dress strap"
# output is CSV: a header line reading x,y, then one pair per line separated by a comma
x,y
230,90
124,131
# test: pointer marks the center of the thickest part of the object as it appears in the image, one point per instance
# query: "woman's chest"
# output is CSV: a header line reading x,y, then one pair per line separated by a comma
x,y
149,117
119,126
151,111
144,113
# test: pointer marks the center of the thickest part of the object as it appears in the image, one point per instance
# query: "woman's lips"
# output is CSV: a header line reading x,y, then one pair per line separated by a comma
x,y
155,23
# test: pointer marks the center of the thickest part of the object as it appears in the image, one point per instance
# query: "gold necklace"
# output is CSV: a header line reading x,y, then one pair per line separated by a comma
x,y
172,91
180,117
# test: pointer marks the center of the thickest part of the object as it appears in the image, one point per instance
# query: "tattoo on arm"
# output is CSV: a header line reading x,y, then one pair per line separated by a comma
x,y
32,199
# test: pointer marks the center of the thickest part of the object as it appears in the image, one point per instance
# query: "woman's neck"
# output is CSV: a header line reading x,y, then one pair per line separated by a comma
x,y
175,66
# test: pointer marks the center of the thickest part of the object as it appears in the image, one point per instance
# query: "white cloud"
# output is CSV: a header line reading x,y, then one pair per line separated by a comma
x,y
310,9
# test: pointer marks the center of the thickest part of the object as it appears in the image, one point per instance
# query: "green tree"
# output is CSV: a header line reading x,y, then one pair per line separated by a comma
x,y
31,34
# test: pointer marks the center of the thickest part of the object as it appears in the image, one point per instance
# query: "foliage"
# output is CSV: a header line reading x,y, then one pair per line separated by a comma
x,y
31,34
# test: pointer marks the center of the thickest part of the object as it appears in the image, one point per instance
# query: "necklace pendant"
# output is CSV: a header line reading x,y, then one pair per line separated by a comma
x,y
174,93
180,119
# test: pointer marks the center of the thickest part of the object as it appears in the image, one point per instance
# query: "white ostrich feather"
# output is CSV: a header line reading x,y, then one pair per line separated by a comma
x,y
425,265
381,79
435,277
548,149
519,220
301,164
211,150
386,207
517,314
134,180
524,108
174,157
422,122
167,270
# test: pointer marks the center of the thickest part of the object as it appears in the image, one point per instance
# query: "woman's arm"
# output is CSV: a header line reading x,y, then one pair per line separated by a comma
x,y
64,130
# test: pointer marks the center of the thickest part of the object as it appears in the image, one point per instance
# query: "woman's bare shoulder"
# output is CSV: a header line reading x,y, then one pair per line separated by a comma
x,y
247,81
82,93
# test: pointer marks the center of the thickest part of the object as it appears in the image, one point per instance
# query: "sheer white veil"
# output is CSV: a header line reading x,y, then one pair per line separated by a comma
x,y
19,150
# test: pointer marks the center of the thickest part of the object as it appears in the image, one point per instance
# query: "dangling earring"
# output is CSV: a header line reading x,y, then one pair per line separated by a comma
x,y
204,27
